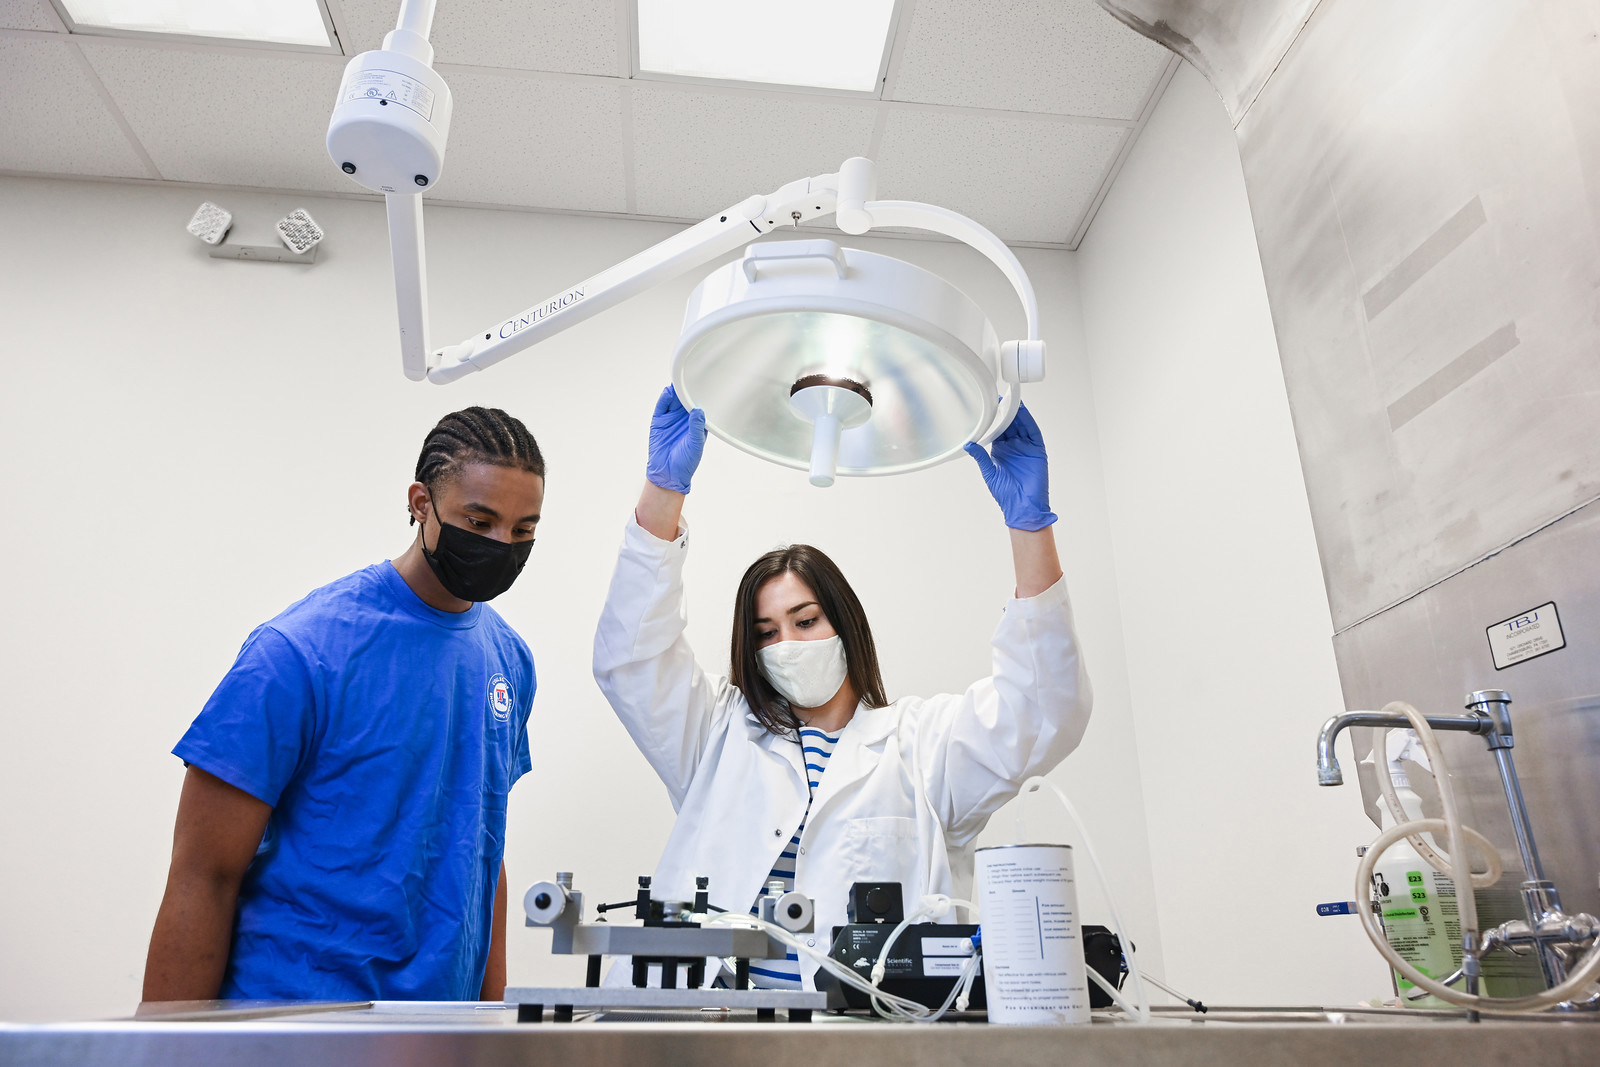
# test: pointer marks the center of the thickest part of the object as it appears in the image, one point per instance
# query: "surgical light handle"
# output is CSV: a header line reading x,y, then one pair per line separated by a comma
x,y
725,232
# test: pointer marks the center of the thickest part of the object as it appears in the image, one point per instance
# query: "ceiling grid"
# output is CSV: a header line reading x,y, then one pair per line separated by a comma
x,y
113,110
891,74
1016,112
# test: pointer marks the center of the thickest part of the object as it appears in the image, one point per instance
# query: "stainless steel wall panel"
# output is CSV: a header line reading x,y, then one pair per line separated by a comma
x,y
1422,179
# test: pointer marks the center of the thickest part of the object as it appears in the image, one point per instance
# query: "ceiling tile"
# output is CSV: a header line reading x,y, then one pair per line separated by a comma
x,y
52,120
227,118
29,15
1065,57
1025,179
698,151
570,36
497,156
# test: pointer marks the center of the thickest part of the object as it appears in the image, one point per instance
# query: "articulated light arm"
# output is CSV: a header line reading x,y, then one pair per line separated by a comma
x,y
410,35
410,280
718,235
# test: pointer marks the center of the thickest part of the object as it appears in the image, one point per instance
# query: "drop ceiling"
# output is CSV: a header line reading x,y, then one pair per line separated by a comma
x,y
1016,112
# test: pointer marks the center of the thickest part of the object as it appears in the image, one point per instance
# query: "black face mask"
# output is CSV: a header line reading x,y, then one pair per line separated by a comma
x,y
474,567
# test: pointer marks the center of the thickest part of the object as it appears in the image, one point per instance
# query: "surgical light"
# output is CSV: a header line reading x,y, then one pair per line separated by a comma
x,y
830,44
811,355
298,22
834,359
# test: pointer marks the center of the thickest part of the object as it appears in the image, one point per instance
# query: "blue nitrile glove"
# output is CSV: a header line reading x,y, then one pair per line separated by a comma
x,y
677,440
1018,477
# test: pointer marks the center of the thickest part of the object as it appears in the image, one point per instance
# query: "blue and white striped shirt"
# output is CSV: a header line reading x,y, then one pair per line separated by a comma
x,y
815,748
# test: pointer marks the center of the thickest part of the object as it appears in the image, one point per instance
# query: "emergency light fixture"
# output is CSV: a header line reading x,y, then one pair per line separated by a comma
x,y
297,232
803,353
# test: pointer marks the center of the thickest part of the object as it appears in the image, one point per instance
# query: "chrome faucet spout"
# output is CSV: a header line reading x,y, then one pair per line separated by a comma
x,y
1328,770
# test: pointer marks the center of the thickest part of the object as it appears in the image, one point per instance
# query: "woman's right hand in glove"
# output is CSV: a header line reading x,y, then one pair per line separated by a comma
x,y
677,441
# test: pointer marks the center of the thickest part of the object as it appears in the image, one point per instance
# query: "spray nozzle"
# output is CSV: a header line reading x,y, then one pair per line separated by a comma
x,y
1406,745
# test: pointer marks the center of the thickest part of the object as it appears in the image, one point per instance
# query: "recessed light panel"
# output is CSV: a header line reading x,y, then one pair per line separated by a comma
x,y
297,22
828,44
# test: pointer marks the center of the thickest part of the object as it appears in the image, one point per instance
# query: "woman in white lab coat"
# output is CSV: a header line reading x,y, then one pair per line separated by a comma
x,y
909,783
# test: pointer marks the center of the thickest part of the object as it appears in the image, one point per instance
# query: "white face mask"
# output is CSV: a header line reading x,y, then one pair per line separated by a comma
x,y
806,673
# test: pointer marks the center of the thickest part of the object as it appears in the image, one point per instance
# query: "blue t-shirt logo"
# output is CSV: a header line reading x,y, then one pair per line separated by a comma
x,y
500,697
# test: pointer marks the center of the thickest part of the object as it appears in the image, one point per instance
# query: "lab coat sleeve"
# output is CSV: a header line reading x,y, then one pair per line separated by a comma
x,y
977,748
643,663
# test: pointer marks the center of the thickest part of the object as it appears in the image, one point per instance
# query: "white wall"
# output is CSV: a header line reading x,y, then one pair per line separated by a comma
x,y
193,444
1225,617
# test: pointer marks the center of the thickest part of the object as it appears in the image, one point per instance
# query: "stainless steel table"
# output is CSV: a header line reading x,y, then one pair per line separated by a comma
x,y
488,1035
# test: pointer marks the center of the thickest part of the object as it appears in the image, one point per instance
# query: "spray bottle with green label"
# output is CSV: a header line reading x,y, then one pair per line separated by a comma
x,y
1418,904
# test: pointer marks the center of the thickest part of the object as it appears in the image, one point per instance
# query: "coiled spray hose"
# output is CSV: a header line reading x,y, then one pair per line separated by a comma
x,y
1435,859
1456,867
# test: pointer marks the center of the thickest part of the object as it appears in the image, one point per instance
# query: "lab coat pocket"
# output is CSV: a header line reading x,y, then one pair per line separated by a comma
x,y
881,849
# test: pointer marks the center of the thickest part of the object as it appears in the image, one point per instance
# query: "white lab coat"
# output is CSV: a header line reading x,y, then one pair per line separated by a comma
x,y
907,790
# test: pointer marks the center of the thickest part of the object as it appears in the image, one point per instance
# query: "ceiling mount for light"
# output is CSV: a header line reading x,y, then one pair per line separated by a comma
x,y
803,352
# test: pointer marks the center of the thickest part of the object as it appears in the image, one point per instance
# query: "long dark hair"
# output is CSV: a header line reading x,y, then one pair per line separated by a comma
x,y
837,601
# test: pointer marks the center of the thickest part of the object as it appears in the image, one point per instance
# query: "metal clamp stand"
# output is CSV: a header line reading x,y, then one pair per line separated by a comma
x,y
669,938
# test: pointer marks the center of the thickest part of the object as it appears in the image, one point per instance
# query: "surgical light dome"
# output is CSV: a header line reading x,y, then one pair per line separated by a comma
x,y
827,358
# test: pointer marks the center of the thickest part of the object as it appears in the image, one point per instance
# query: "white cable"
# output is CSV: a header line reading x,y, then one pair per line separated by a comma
x,y
969,976
1032,785
1113,992
897,1007
1173,993
919,785
1466,903
933,905
1434,858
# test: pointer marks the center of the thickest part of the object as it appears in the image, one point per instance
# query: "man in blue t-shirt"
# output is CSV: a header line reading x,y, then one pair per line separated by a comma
x,y
341,829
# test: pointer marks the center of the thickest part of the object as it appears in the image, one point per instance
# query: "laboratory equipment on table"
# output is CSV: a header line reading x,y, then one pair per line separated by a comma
x,y
677,936
908,967
1567,946
804,353
928,961
673,942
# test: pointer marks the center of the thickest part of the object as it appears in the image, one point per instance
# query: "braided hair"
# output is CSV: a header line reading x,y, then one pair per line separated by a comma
x,y
477,435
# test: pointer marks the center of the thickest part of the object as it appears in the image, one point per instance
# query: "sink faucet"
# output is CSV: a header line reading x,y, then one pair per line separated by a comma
x,y
1548,930
1328,772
